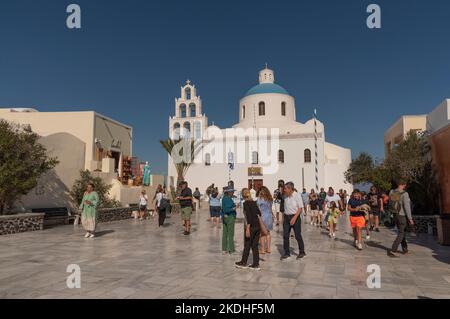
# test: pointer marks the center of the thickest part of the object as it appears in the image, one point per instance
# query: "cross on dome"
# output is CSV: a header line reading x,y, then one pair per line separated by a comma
x,y
188,81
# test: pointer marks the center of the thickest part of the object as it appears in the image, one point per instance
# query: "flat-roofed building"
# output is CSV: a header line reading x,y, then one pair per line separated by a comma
x,y
398,131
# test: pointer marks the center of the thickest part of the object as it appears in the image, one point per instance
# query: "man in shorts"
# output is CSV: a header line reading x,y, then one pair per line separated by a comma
x,y
185,199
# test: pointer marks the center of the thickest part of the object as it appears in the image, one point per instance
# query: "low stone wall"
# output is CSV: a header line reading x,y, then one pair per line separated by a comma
x,y
20,223
425,223
114,214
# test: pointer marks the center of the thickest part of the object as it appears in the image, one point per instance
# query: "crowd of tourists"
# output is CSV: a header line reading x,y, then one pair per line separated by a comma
x,y
261,209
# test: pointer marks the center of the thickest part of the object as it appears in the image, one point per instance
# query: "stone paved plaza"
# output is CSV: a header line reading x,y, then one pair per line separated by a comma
x,y
132,259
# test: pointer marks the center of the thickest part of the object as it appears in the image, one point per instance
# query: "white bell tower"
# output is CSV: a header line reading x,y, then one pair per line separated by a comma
x,y
266,75
188,122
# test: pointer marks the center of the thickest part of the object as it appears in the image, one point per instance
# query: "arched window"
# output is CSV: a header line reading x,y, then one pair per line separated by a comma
x,y
192,110
176,131
183,110
307,154
188,93
254,157
262,109
207,159
281,156
283,108
197,130
187,129
243,112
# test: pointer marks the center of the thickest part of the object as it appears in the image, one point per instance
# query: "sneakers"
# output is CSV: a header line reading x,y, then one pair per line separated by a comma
x,y
91,236
367,237
87,235
285,257
241,265
359,246
334,235
371,228
300,256
254,267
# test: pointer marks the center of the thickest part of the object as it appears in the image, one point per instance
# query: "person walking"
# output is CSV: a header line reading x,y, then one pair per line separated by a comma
x,y
88,209
331,198
143,202
357,217
185,200
264,203
228,220
315,208
401,207
333,220
293,206
376,208
162,205
252,231
215,207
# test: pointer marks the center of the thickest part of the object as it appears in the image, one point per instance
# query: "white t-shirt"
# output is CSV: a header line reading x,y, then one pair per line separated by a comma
x,y
335,198
253,194
293,203
143,200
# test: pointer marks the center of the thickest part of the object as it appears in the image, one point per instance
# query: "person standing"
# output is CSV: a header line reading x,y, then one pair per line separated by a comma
x,y
185,199
305,199
293,206
228,220
143,202
197,197
278,201
88,208
253,192
215,207
252,231
264,203
376,208
401,207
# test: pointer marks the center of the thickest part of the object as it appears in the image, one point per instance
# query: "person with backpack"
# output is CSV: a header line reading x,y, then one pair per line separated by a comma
x,y
162,206
400,205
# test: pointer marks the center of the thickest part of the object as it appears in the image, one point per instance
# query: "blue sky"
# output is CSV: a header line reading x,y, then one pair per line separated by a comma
x,y
131,57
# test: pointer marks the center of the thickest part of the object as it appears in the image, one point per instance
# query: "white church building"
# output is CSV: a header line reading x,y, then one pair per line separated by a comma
x,y
268,144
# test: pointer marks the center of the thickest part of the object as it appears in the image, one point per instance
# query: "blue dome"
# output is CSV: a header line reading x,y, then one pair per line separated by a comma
x,y
263,88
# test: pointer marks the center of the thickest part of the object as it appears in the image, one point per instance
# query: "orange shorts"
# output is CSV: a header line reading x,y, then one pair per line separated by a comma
x,y
358,221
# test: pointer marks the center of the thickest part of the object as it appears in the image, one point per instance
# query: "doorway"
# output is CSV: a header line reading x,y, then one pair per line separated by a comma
x,y
257,182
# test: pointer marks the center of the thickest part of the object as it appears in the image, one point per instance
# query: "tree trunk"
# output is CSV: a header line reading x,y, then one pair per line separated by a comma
x,y
2,208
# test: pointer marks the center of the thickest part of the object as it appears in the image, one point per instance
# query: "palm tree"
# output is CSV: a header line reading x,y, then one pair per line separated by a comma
x,y
182,161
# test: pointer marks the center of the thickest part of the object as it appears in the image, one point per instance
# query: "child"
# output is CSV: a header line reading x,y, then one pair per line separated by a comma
x,y
332,219
314,205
